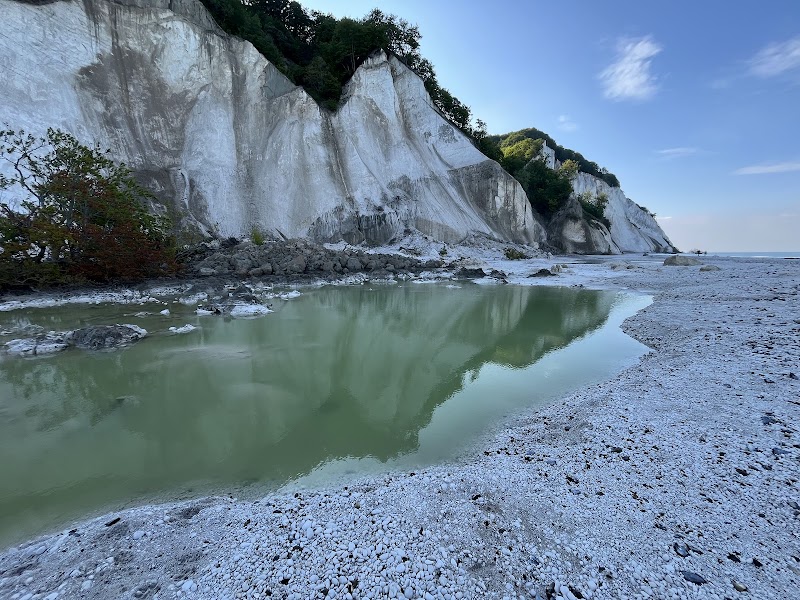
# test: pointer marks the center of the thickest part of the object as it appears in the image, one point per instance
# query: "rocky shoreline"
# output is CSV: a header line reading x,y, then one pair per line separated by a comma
x,y
294,259
677,478
218,265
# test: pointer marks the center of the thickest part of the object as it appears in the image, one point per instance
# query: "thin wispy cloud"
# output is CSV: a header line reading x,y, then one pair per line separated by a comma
x,y
679,152
784,167
565,123
721,83
776,59
629,76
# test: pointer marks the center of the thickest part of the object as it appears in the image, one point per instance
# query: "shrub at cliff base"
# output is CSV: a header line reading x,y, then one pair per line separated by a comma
x,y
68,214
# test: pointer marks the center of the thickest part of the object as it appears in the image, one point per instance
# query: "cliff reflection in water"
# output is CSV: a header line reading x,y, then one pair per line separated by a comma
x,y
338,372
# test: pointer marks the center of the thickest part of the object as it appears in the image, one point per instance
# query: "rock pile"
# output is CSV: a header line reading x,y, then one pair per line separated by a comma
x,y
103,337
294,258
95,337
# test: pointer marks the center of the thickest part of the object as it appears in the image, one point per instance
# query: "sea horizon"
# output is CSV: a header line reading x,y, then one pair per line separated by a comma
x,y
753,254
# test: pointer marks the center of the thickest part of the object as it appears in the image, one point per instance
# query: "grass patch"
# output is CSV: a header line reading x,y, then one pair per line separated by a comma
x,y
514,254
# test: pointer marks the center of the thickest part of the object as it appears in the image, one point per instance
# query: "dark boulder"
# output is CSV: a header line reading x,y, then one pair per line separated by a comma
x,y
542,273
101,337
467,273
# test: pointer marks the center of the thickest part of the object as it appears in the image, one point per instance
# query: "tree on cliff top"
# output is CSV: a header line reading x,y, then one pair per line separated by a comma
x,y
81,216
562,154
547,189
321,52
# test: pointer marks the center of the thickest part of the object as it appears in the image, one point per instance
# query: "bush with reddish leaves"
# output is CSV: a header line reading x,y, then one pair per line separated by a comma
x,y
69,214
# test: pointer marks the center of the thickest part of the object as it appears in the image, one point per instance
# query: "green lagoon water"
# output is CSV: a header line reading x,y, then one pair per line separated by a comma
x,y
340,380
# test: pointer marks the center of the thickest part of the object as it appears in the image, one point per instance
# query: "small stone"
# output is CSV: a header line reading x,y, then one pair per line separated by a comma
x,y
739,587
693,577
681,261
137,535
681,550
542,273
353,264
297,265
779,451
86,585
575,592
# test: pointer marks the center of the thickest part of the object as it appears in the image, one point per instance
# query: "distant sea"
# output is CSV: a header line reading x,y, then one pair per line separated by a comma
x,y
757,254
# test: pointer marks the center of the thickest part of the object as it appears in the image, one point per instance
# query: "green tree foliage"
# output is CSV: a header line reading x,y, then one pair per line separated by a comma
x,y
595,207
484,143
547,189
321,53
320,83
562,154
81,216
569,168
242,21
519,154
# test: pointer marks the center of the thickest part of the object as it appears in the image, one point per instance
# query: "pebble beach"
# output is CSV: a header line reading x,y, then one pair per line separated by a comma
x,y
677,478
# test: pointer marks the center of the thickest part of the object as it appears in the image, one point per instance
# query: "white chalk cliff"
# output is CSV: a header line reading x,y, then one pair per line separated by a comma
x,y
229,143
208,121
633,229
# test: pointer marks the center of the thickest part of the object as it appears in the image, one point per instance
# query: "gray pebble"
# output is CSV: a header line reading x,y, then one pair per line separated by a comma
x,y
681,550
693,577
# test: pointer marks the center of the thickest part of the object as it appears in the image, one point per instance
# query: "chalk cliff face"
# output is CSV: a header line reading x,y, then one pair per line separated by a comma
x,y
572,233
215,129
633,229
229,144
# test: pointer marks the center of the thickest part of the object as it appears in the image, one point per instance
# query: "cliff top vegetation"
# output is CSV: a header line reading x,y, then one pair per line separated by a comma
x,y
321,53
562,154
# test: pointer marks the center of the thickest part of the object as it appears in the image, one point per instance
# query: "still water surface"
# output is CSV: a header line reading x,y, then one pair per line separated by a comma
x,y
337,381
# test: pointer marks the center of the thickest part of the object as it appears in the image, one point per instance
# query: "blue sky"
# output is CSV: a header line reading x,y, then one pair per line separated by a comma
x,y
694,105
